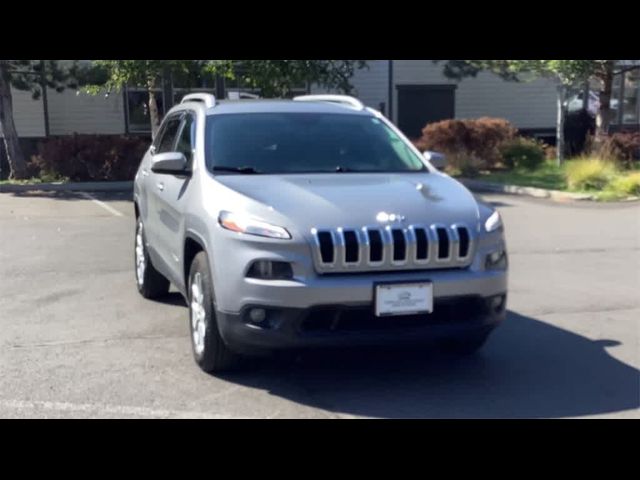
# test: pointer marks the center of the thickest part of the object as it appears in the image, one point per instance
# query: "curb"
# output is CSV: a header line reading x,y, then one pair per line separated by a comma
x,y
480,186
69,187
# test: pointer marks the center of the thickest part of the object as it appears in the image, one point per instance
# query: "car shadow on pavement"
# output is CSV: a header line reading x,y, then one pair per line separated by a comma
x,y
528,369
172,298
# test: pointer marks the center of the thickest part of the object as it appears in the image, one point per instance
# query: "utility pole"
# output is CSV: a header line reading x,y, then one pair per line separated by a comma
x,y
45,101
560,125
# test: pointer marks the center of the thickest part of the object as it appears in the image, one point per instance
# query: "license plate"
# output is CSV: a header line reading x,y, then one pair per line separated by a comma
x,y
403,298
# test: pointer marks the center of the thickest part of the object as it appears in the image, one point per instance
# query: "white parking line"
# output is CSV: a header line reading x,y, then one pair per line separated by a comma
x,y
101,410
109,209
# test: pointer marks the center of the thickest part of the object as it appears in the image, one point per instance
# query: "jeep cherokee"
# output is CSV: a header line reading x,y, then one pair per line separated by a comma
x,y
312,222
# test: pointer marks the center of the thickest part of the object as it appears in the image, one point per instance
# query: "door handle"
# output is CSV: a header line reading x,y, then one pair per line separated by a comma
x,y
160,186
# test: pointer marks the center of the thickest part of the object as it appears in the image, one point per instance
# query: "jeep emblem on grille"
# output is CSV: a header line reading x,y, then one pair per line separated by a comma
x,y
384,217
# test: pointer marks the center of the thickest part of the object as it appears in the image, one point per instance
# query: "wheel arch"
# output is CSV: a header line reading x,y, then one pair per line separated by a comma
x,y
193,244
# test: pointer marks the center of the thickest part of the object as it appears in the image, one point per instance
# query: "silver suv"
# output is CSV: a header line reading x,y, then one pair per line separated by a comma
x,y
312,222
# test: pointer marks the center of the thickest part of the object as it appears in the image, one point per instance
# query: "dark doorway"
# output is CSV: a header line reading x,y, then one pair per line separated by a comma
x,y
419,105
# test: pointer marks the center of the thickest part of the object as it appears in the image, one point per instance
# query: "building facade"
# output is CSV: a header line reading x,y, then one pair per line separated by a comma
x,y
411,92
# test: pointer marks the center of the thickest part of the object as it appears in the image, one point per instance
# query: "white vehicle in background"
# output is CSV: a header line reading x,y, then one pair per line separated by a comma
x,y
575,103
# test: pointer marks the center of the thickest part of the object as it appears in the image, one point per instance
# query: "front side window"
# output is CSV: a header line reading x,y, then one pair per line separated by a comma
x,y
305,143
168,135
186,140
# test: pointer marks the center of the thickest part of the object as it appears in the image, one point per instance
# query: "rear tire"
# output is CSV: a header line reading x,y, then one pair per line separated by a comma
x,y
209,349
151,283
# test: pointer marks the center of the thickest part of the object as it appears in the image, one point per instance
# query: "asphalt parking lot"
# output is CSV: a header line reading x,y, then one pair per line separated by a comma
x,y
76,339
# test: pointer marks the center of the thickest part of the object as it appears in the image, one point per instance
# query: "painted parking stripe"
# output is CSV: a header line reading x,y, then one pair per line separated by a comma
x,y
109,209
98,410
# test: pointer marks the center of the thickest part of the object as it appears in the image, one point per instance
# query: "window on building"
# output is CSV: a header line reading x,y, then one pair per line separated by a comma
x,y
630,106
624,99
138,116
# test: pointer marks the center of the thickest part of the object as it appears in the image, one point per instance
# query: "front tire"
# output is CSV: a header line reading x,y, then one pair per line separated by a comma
x,y
151,283
209,349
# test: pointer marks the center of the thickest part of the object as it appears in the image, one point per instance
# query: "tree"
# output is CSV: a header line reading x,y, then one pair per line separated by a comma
x,y
273,78
116,74
33,76
278,78
565,72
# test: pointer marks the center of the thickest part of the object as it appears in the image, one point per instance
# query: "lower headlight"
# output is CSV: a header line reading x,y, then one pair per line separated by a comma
x,y
496,260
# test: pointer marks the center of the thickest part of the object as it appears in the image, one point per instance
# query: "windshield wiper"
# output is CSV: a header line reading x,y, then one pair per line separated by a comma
x,y
244,170
341,169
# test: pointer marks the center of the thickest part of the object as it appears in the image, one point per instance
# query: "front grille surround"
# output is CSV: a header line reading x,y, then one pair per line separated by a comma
x,y
418,248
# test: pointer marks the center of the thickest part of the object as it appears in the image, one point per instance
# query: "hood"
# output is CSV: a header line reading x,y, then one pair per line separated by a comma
x,y
354,199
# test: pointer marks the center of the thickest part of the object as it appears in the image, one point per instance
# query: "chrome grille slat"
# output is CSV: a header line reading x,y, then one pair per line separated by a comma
x,y
338,247
366,248
387,247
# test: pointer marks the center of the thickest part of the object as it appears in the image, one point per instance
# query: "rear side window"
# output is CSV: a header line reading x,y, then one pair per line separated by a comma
x,y
168,135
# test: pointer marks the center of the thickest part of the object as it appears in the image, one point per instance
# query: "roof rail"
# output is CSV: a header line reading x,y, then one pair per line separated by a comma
x,y
206,98
342,99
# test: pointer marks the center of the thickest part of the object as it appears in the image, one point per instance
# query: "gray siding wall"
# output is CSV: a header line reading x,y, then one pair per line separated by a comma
x,y
371,84
28,114
525,104
68,113
71,113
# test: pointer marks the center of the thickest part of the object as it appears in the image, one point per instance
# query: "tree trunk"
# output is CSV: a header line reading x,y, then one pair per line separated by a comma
x,y
153,112
603,118
15,156
560,126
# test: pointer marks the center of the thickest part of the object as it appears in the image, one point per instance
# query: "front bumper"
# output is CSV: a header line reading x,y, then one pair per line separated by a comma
x,y
356,325
350,289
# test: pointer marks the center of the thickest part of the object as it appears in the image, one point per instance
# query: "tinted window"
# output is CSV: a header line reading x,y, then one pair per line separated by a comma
x,y
185,142
306,142
165,144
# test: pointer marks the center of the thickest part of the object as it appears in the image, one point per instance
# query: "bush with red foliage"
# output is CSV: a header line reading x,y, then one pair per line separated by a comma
x,y
623,147
479,139
90,157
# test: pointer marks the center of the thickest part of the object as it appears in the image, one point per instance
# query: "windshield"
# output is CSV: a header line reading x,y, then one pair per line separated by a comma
x,y
305,143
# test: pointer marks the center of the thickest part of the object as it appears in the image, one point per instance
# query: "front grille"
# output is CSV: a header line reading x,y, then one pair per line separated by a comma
x,y
415,247
354,319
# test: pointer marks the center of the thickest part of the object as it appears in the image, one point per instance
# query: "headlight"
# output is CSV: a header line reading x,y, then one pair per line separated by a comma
x,y
240,223
493,223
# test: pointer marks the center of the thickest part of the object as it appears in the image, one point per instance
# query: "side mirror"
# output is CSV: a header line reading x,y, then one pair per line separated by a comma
x,y
171,163
438,160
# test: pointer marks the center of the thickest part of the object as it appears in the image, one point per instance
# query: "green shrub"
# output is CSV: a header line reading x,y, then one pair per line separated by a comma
x,y
522,152
589,173
479,139
463,165
627,184
89,157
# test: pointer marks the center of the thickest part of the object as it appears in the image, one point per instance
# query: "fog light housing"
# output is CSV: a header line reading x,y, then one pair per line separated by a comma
x,y
496,303
496,260
257,315
270,270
